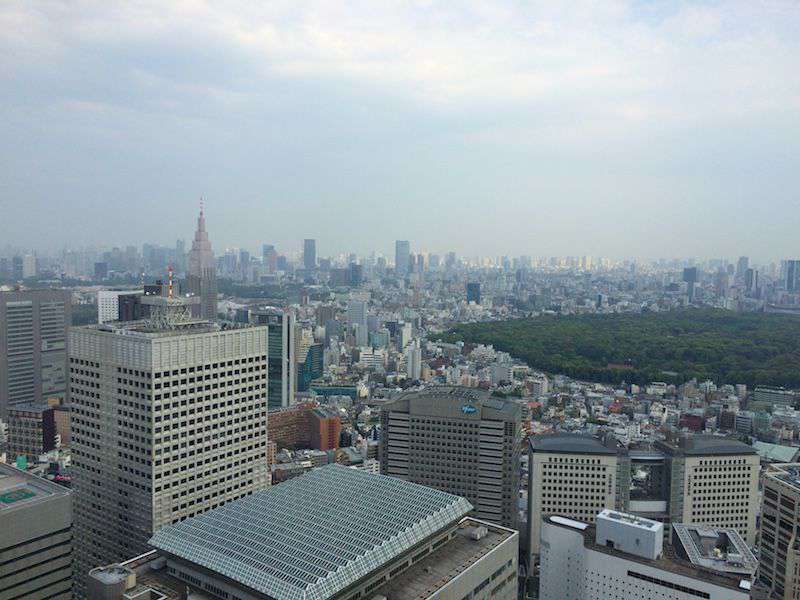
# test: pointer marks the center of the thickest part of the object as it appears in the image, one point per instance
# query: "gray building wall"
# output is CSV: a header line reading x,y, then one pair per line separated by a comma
x,y
457,440
36,542
33,346
164,427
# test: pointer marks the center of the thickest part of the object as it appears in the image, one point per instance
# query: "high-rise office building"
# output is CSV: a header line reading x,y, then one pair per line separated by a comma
x,y
402,258
459,440
282,353
572,475
413,356
310,254
201,278
33,346
474,292
334,533
751,281
779,554
690,279
793,275
169,419
714,482
357,320
741,267
35,537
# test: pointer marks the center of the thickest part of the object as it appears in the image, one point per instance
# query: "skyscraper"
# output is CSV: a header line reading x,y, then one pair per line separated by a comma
x,y
282,354
169,419
459,440
402,257
741,267
780,520
33,346
793,275
474,292
310,254
202,270
357,319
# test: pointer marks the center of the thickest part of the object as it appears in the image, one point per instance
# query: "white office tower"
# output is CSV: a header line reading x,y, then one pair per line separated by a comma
x,y
357,318
169,420
623,557
414,361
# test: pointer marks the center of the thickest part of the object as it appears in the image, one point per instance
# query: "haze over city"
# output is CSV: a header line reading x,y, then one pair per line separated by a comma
x,y
608,128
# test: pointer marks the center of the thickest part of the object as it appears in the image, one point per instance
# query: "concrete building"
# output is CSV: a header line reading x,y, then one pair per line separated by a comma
x,y
357,320
775,396
714,482
169,419
108,304
572,475
33,346
459,440
312,537
402,258
623,557
31,430
35,537
310,254
282,353
305,426
201,276
779,556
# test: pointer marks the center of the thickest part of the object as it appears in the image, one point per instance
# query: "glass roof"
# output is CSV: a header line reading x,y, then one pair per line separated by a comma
x,y
314,535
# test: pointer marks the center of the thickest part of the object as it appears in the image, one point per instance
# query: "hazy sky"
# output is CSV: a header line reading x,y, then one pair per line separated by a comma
x,y
549,128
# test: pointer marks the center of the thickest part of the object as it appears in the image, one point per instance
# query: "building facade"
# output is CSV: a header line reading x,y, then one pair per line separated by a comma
x,y
35,537
572,475
31,430
168,421
713,481
459,440
33,346
779,555
623,557
282,353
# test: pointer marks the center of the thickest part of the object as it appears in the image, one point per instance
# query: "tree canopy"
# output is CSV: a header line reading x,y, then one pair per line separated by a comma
x,y
725,347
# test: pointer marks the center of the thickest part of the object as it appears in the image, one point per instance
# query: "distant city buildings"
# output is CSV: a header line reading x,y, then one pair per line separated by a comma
x,y
402,258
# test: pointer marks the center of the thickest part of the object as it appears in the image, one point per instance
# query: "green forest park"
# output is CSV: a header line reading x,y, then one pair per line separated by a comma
x,y
725,347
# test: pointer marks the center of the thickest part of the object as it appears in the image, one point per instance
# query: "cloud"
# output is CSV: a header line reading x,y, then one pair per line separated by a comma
x,y
213,91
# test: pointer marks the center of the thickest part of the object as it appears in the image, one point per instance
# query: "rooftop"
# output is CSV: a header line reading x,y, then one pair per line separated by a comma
x,y
570,443
446,562
776,452
151,329
708,445
669,561
629,519
19,490
314,535
788,473
715,548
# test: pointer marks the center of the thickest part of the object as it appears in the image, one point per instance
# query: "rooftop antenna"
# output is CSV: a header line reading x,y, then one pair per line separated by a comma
x,y
170,281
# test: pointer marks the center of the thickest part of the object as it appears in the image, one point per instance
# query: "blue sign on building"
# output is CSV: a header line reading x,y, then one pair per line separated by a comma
x,y
468,409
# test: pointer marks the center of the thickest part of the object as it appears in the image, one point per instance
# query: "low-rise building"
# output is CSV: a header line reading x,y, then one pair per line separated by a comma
x,y
312,537
35,537
623,557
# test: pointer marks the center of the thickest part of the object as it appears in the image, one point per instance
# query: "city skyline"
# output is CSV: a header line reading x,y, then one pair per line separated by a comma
x,y
612,129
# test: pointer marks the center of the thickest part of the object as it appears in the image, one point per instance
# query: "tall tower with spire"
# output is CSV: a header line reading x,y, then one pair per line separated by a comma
x,y
201,275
